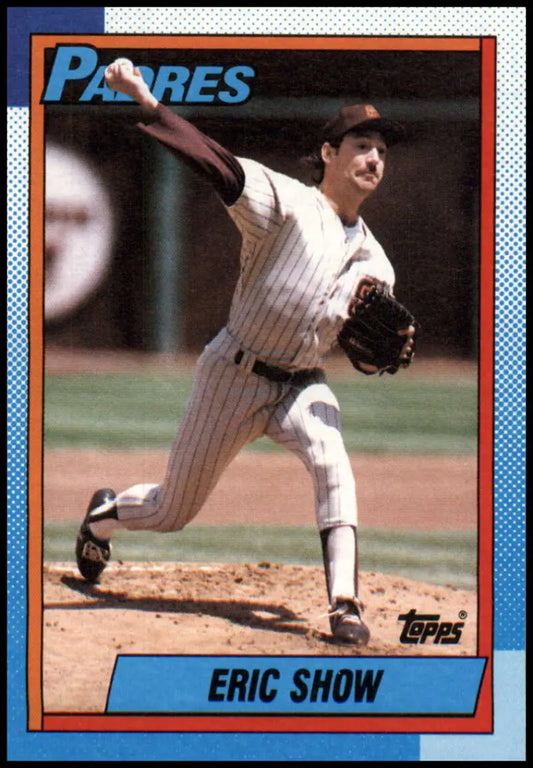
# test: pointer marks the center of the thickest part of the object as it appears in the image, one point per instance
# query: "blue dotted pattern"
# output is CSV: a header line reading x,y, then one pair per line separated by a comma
x,y
17,373
510,392
510,407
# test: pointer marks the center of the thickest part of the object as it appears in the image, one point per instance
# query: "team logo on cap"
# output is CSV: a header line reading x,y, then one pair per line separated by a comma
x,y
370,112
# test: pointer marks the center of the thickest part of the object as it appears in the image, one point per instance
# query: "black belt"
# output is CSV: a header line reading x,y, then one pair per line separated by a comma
x,y
280,375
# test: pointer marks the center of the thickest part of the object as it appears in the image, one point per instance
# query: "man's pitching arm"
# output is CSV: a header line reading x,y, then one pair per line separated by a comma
x,y
201,153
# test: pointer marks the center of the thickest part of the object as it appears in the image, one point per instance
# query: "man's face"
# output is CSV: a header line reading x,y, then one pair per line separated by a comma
x,y
359,161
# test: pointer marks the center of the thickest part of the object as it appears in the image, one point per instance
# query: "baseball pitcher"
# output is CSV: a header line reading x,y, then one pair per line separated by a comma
x,y
312,276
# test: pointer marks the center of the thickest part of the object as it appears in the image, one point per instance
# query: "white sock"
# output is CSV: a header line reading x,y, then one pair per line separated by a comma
x,y
341,556
103,527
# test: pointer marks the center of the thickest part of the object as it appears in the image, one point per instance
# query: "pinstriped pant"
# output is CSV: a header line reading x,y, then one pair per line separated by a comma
x,y
230,407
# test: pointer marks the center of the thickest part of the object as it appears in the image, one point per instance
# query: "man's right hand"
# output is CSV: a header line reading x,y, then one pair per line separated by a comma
x,y
122,78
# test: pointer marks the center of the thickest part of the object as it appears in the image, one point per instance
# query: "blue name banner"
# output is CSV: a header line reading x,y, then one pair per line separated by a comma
x,y
295,685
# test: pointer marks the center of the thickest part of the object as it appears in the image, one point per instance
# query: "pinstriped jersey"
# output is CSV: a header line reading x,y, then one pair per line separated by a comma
x,y
299,269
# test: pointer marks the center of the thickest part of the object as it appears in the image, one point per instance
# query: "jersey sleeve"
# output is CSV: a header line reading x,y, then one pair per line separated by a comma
x,y
201,153
266,199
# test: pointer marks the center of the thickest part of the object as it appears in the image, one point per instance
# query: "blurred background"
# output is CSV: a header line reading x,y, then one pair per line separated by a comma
x,y
141,262
140,254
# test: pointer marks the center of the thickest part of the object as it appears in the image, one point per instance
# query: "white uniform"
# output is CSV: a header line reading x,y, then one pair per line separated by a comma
x,y
300,267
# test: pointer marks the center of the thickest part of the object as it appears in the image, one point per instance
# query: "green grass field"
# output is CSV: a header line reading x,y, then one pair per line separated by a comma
x,y
409,415
440,558
380,415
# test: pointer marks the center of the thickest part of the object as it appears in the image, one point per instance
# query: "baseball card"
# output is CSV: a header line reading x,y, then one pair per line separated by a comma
x,y
266,384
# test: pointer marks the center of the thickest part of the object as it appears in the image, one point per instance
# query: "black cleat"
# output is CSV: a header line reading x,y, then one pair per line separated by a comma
x,y
92,554
346,623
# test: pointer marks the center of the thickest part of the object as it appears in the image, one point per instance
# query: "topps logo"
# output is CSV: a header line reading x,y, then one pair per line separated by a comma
x,y
78,67
420,627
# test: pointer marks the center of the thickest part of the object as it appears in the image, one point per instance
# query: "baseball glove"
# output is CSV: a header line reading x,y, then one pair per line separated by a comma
x,y
378,335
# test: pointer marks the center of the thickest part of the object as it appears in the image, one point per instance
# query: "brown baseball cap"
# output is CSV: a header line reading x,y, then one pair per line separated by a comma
x,y
361,117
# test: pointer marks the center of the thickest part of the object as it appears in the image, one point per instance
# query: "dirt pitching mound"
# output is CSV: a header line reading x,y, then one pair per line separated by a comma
x,y
211,609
